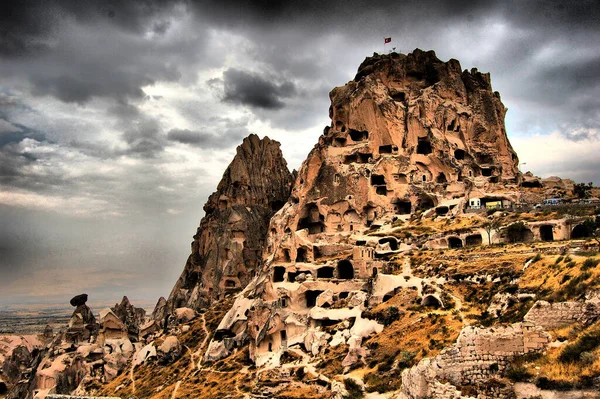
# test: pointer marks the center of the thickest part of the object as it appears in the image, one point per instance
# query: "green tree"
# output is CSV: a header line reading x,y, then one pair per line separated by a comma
x,y
582,190
490,225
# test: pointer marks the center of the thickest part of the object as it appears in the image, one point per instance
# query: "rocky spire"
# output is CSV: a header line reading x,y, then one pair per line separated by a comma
x,y
228,246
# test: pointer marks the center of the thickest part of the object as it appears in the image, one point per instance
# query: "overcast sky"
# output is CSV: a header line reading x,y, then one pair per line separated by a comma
x,y
118,118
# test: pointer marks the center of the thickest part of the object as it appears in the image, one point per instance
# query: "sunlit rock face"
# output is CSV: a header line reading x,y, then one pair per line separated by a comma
x,y
410,133
228,247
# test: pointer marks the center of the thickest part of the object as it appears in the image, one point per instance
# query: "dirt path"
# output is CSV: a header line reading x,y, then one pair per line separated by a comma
x,y
204,342
193,367
132,377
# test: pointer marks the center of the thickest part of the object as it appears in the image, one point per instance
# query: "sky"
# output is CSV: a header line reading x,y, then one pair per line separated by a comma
x,y
118,118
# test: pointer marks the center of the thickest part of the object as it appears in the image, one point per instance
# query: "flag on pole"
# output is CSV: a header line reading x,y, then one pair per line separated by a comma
x,y
386,40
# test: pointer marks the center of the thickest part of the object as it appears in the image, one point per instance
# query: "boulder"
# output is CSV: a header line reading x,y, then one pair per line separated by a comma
x,y
79,300
185,315
169,350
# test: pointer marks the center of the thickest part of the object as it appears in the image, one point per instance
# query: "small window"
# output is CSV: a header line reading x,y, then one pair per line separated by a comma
x,y
424,177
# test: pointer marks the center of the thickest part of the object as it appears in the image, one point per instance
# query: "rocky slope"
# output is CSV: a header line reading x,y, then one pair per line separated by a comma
x,y
401,264
228,247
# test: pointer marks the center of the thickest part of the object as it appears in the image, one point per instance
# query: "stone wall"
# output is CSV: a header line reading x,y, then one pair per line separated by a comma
x,y
555,315
477,355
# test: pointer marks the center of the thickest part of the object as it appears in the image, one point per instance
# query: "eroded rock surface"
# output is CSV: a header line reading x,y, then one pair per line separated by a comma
x,y
228,247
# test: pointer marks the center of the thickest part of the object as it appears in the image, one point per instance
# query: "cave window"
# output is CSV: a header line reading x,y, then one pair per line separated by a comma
x,y
431,301
229,284
441,178
385,149
381,190
339,142
470,173
301,255
582,230
546,233
343,295
424,146
377,180
402,207
441,210
452,125
286,255
424,178
311,297
292,276
473,240
325,272
390,240
399,97
270,347
364,158
345,270
284,302
283,335
375,271
459,154
454,242
278,273
487,172
357,135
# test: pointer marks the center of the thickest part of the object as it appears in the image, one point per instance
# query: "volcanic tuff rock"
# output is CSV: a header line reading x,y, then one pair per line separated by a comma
x,y
228,246
408,134
133,317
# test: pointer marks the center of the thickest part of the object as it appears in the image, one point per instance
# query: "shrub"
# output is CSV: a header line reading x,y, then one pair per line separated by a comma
x,y
518,373
587,358
536,258
586,343
590,263
354,390
559,259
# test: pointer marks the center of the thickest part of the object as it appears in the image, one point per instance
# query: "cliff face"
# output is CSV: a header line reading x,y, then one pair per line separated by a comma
x,y
228,247
410,134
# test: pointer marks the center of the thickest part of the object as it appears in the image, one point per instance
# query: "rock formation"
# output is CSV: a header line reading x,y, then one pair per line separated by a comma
x,y
408,134
82,324
228,247
133,317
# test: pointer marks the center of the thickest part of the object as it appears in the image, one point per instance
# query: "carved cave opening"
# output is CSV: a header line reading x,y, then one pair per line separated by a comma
x,y
459,154
387,149
454,242
581,231
301,255
441,178
358,135
325,272
546,233
402,207
339,142
278,274
431,301
345,270
474,239
377,180
390,240
424,146
311,297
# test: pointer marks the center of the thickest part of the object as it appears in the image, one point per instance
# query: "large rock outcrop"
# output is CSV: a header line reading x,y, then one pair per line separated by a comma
x,y
228,247
408,134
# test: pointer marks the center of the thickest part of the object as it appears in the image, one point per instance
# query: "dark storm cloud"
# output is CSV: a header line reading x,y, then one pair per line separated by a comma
x,y
201,139
29,26
254,90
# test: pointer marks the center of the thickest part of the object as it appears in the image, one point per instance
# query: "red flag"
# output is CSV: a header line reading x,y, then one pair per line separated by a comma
x,y
387,40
